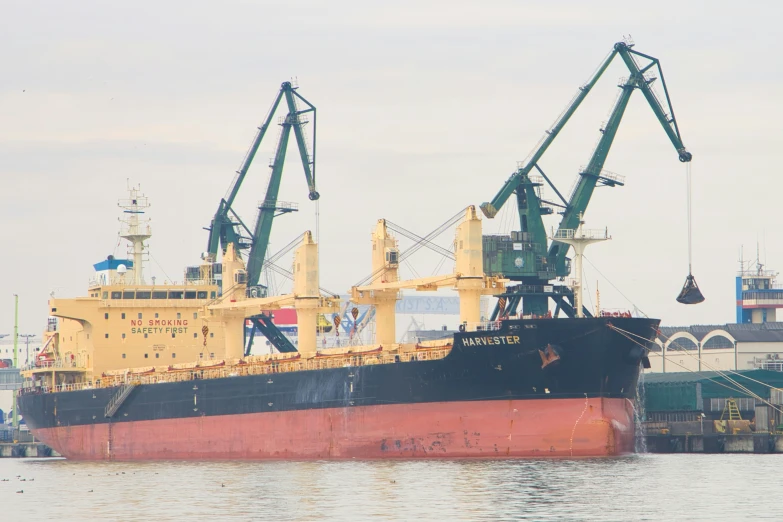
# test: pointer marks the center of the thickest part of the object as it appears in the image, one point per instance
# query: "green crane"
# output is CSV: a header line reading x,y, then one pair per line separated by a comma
x,y
227,227
527,255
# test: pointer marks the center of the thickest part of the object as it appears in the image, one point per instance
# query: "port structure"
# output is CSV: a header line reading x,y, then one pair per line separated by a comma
x,y
526,255
468,279
758,295
227,228
234,306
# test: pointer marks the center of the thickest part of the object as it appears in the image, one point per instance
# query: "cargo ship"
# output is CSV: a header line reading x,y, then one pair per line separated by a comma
x,y
139,371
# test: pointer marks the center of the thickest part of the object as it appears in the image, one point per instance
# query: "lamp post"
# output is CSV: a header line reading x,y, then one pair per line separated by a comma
x,y
15,419
27,347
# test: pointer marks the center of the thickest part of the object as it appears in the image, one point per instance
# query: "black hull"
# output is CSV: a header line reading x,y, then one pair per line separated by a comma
x,y
591,360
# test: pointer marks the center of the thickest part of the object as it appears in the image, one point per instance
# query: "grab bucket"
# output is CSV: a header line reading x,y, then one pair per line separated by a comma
x,y
690,293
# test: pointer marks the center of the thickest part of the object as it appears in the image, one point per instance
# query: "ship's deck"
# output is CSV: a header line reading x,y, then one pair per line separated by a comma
x,y
252,365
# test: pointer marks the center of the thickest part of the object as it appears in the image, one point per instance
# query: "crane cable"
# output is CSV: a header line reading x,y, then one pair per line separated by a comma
x,y
688,191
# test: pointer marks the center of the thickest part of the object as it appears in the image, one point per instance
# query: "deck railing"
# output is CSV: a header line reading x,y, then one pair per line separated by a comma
x,y
267,367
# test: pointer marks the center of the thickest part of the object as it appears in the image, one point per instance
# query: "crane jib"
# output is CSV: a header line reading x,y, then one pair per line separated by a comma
x,y
226,226
536,261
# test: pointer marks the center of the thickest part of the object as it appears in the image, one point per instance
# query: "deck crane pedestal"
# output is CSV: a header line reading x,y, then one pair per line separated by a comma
x,y
227,228
526,255
468,279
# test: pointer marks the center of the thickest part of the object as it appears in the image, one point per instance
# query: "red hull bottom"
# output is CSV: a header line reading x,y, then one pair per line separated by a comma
x,y
484,429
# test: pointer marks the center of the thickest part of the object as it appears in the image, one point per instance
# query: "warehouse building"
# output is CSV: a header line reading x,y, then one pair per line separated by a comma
x,y
744,346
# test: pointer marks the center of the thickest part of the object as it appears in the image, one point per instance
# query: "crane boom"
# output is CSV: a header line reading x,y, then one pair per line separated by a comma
x,y
491,209
223,229
592,174
266,211
528,256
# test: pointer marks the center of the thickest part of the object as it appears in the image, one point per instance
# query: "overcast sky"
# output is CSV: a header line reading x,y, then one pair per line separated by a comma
x,y
423,108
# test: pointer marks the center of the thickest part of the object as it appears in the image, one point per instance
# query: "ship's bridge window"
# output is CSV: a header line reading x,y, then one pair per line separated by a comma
x,y
116,295
159,295
202,295
143,295
129,295
190,295
175,295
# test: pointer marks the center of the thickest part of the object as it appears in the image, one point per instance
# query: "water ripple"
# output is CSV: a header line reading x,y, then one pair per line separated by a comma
x,y
640,487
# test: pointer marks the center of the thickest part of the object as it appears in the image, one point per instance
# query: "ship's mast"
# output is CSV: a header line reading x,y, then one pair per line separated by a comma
x,y
579,238
136,229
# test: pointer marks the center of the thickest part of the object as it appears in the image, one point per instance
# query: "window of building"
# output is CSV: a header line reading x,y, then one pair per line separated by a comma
x,y
159,294
105,295
143,295
179,315
173,335
202,294
682,343
116,295
157,356
146,356
106,336
123,336
173,355
123,356
129,295
105,316
719,341
195,315
212,355
145,336
201,356
190,295
123,315
139,315
195,336
175,295
156,315
212,295
211,334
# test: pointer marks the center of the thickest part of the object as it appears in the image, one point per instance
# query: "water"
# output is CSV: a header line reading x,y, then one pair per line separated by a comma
x,y
639,487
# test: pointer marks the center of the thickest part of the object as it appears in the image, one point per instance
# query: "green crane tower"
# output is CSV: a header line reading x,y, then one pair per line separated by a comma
x,y
527,255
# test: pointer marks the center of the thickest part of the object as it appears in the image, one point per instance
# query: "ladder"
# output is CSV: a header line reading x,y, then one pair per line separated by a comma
x,y
118,399
731,410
